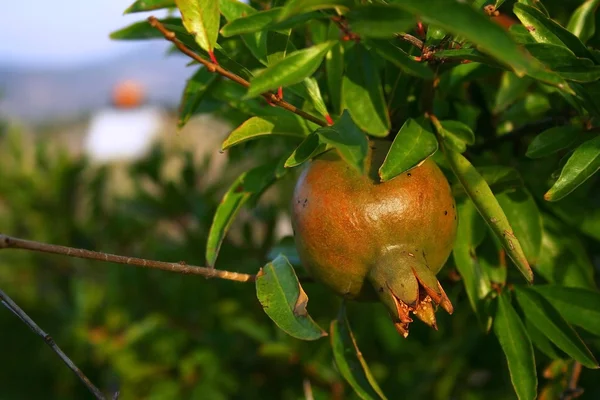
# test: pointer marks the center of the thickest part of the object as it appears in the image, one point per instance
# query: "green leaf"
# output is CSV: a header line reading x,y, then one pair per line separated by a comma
x,y
201,19
545,30
294,7
362,92
517,348
469,54
256,127
553,326
334,70
400,59
149,5
582,164
349,360
511,89
578,306
557,56
264,21
463,20
315,95
541,342
525,218
552,140
412,145
291,70
498,177
248,184
457,135
470,233
286,247
311,147
537,4
582,22
255,42
489,208
195,90
379,20
563,257
347,138
284,300
143,30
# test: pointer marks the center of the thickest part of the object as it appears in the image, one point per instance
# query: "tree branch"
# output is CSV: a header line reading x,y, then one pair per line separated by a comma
x,y
15,243
411,39
573,391
213,67
12,306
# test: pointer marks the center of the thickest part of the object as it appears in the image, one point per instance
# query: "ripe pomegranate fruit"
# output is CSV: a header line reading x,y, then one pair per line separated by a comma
x,y
364,238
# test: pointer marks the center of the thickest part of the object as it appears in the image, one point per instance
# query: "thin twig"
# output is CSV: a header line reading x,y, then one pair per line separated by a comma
x,y
212,67
12,306
15,243
573,391
416,42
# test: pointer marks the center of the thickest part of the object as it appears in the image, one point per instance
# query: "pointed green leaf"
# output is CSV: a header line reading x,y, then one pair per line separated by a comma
x,y
379,20
582,164
350,361
578,306
545,30
195,90
557,56
583,23
469,54
552,140
295,7
470,233
362,92
248,184
284,301
525,219
457,135
412,145
143,30
348,140
537,4
201,19
315,95
461,19
553,326
498,177
256,127
517,348
265,20
540,341
149,5
489,208
278,45
311,147
290,70
400,59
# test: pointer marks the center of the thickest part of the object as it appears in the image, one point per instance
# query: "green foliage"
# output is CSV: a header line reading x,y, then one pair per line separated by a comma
x,y
515,113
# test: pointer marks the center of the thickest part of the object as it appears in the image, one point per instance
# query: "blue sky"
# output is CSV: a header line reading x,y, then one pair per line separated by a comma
x,y
63,32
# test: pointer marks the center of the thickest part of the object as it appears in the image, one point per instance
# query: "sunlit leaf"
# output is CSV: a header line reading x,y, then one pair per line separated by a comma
x,y
255,42
582,164
582,23
294,7
457,135
264,20
256,127
553,326
362,92
149,5
292,69
412,145
515,342
489,208
311,147
201,19
315,95
350,361
143,30
284,301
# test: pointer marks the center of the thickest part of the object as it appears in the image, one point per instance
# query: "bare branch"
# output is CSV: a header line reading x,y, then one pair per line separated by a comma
x,y
213,67
15,243
411,39
12,306
573,391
